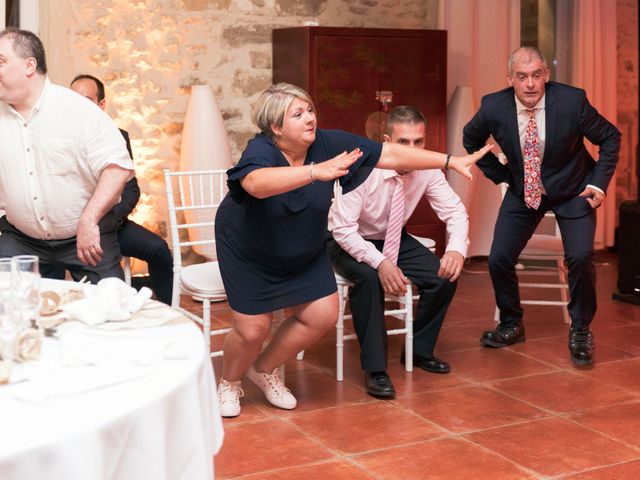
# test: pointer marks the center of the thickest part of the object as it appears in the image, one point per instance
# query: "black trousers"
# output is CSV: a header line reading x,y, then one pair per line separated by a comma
x,y
138,242
366,299
56,254
514,227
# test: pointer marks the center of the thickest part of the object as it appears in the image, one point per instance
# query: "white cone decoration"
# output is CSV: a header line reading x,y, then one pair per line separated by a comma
x,y
204,146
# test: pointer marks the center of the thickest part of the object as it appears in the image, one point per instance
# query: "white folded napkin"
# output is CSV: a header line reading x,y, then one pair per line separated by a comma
x,y
111,300
152,314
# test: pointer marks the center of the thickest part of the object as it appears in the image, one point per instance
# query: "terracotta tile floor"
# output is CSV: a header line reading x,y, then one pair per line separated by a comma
x,y
517,413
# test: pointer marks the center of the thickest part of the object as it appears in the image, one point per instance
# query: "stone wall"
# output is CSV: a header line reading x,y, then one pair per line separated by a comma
x,y
627,16
149,53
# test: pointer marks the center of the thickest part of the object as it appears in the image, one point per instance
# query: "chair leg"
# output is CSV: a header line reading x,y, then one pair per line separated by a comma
x,y
127,270
408,322
564,294
342,293
206,324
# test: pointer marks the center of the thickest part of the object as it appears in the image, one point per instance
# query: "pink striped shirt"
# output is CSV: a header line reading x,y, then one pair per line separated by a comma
x,y
363,214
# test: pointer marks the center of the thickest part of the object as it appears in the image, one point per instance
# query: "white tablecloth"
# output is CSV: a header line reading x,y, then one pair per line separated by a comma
x,y
160,421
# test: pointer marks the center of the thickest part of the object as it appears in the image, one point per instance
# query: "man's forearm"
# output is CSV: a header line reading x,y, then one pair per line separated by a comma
x,y
106,194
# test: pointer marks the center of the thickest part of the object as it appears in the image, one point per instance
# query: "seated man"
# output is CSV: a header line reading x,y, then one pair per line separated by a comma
x,y
371,249
63,166
135,240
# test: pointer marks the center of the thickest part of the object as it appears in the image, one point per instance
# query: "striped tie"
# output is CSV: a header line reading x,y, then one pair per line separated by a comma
x,y
396,221
532,181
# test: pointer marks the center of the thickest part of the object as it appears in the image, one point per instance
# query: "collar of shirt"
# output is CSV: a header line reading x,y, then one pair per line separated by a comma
x,y
38,105
387,174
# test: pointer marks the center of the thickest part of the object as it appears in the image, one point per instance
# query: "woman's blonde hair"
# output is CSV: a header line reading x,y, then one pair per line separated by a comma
x,y
273,104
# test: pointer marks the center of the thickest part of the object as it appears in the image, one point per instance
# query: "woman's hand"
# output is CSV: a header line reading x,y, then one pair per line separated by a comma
x,y
463,164
336,167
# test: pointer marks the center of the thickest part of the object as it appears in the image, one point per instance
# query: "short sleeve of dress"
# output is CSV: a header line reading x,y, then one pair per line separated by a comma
x,y
338,141
260,153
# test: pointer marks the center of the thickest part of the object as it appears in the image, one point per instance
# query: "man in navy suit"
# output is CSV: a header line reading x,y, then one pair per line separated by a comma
x,y
540,127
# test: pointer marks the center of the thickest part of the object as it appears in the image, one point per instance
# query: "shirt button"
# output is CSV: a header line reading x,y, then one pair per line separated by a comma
x,y
28,149
35,197
41,218
48,235
25,125
30,173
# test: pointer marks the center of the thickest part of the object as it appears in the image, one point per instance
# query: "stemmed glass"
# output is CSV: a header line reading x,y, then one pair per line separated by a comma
x,y
9,320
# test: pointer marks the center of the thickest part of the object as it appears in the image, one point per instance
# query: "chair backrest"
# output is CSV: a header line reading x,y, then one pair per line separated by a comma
x,y
193,198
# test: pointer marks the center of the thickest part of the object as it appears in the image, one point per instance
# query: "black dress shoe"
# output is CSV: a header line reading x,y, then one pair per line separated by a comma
x,y
379,384
503,336
430,364
581,346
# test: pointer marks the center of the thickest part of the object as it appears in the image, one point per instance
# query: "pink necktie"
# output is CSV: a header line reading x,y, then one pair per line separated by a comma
x,y
532,182
396,221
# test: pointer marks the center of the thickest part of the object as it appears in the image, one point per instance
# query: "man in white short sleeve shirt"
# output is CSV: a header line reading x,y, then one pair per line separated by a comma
x,y
63,165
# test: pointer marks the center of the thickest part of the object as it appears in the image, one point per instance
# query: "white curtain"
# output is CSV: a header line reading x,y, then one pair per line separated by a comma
x,y
586,42
481,36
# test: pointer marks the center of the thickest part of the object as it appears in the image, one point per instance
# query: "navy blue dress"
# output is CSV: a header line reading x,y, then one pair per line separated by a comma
x,y
272,251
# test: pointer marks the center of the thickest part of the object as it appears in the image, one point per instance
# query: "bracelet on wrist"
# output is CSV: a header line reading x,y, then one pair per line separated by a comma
x,y
446,164
313,179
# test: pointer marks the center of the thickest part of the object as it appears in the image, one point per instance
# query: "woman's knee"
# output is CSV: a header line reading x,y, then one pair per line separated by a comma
x,y
328,321
253,333
323,315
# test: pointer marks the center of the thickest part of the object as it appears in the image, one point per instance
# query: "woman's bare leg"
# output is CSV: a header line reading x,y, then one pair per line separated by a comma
x,y
243,343
308,324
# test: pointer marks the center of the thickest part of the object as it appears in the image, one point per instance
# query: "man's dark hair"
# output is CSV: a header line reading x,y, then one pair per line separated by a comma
x,y
403,114
98,83
26,44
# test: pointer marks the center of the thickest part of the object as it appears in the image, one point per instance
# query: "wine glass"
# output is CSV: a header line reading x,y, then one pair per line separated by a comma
x,y
9,327
6,283
27,287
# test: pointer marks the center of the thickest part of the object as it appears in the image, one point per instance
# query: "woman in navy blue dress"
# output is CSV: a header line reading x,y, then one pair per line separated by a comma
x,y
271,229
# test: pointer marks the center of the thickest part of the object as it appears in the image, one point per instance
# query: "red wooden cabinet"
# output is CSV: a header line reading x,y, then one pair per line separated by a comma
x,y
351,73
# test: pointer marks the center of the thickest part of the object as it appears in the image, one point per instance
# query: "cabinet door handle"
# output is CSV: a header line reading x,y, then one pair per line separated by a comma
x,y
385,97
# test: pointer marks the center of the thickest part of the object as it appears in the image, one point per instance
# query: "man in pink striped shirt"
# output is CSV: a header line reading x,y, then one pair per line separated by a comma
x,y
358,222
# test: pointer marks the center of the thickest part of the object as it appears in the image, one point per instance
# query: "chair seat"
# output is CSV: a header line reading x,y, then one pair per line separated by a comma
x,y
203,279
429,243
340,280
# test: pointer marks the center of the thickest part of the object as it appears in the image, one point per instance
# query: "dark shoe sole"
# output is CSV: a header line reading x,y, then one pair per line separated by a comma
x,y
416,364
382,395
431,370
582,363
493,344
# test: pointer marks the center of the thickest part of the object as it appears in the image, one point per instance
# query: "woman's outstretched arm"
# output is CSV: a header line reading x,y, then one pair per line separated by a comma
x,y
400,157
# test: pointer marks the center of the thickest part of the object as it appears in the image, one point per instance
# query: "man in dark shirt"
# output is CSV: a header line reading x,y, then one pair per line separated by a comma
x,y
135,240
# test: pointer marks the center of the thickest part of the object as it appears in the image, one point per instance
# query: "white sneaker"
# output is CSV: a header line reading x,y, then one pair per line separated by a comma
x,y
273,388
229,394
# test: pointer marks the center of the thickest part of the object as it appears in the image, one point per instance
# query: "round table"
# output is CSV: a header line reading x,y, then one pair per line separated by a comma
x,y
117,420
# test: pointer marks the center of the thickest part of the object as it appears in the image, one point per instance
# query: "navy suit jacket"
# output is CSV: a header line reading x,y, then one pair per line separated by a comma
x,y
567,167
